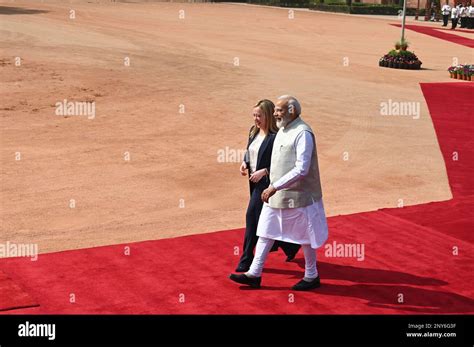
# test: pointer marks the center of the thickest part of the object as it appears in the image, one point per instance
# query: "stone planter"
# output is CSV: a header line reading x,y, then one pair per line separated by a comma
x,y
402,65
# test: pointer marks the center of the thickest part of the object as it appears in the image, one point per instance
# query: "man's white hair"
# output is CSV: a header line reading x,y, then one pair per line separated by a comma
x,y
292,102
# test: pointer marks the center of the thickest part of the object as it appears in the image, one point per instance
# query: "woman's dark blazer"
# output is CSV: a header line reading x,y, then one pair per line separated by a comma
x,y
263,160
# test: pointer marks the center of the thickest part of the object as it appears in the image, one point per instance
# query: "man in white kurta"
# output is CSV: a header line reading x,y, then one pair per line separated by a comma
x,y
302,225
293,210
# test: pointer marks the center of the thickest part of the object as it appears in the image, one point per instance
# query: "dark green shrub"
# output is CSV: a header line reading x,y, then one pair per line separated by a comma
x,y
340,6
330,8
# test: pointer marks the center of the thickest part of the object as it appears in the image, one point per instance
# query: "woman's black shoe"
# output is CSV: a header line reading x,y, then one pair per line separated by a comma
x,y
291,251
305,285
253,282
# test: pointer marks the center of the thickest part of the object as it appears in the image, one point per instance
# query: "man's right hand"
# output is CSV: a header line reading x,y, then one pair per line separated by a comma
x,y
243,169
268,193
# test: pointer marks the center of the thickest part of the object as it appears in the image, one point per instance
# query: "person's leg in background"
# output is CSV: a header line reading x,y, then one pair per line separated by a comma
x,y
454,23
253,212
445,20
290,249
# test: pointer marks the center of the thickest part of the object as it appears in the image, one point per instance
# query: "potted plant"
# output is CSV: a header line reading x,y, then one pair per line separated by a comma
x,y
458,70
400,59
457,74
452,71
466,73
401,45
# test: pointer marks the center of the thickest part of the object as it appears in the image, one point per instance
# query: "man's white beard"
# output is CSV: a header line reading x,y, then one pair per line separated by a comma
x,y
283,122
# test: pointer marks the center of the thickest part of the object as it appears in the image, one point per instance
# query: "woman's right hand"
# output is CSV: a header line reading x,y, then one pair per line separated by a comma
x,y
243,168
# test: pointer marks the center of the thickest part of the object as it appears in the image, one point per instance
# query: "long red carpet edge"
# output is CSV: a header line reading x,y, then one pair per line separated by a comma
x,y
417,259
440,34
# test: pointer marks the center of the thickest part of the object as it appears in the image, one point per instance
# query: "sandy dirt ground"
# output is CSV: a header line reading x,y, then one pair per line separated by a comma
x,y
182,100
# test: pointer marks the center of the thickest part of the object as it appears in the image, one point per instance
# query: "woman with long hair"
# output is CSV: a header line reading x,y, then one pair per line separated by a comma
x,y
257,162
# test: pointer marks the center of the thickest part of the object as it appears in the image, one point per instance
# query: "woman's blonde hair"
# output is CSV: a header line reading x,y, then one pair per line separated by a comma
x,y
267,107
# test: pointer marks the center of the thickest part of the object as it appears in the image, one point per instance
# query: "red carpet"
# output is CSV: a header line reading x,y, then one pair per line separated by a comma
x,y
454,128
12,295
455,217
440,34
408,256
